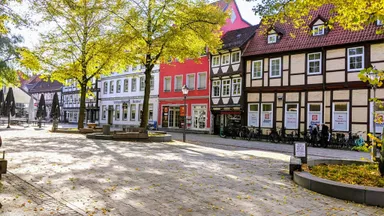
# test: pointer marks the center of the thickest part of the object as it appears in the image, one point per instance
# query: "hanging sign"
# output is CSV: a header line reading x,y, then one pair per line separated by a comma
x,y
182,111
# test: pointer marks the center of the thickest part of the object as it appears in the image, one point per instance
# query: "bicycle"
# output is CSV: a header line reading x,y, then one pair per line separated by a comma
x,y
274,136
244,132
359,141
254,133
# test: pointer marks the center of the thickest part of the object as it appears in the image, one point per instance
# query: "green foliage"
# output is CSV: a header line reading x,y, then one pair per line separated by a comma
x,y
362,148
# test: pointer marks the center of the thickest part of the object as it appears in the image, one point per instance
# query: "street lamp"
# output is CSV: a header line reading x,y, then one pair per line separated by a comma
x,y
373,76
185,93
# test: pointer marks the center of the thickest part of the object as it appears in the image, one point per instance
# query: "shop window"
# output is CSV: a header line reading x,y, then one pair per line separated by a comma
x,y
216,88
267,115
167,84
126,85
225,59
216,61
253,115
118,86
315,115
191,81
291,116
379,118
125,111
133,112
257,69
340,117
236,87
199,116
235,57
178,83
111,87
117,112
133,85
355,59
314,63
275,67
226,88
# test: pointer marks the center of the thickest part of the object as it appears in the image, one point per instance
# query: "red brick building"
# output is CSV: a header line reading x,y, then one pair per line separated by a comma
x,y
197,77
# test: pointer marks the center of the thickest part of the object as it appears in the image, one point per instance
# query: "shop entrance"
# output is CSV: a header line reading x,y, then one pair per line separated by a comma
x,y
174,117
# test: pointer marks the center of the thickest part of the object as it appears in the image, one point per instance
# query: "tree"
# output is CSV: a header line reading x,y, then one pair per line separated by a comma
x,y
169,29
9,106
41,110
55,111
84,43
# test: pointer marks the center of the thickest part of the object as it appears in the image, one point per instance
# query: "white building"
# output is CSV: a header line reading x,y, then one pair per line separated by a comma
x,y
122,97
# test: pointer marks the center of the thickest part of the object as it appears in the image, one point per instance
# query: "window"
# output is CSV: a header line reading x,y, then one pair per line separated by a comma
x,y
236,87
191,81
150,114
215,61
291,120
104,112
125,111
355,59
379,22
257,69
315,116
314,63
126,85
318,30
178,83
253,115
133,112
133,85
275,67
118,86
266,115
235,57
216,88
225,59
226,88
111,87
340,117
142,83
105,91
117,112
201,80
152,82
272,38
167,84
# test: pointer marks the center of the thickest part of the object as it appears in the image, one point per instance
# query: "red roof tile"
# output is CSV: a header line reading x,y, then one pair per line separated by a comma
x,y
304,40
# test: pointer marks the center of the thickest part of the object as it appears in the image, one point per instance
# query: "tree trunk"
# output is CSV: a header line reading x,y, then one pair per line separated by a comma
x,y
9,119
83,91
147,92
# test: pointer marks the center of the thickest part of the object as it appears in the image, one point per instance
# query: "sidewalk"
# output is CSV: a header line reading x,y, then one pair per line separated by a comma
x,y
234,144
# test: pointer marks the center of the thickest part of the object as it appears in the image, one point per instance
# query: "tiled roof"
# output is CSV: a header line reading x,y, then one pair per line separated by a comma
x,y
236,38
304,40
46,86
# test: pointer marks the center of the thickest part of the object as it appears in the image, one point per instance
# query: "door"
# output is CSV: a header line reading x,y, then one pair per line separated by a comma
x,y
216,128
174,117
199,117
110,114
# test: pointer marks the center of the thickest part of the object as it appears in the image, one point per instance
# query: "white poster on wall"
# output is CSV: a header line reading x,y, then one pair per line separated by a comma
x,y
379,121
253,119
291,120
266,119
340,121
314,118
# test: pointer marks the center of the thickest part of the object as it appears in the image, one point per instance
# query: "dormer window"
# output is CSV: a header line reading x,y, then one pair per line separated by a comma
x,y
272,38
379,22
318,30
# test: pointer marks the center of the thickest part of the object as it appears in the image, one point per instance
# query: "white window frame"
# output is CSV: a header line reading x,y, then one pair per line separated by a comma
x,y
223,57
165,83
213,89
222,88
318,30
152,83
130,112
134,87
309,61
233,86
308,113
117,110
126,81
111,86
333,116
218,60
105,87
379,22
175,89
198,80
270,41
142,83
349,58
271,113
270,67
103,111
253,69
287,112
118,86
194,81
235,62
255,112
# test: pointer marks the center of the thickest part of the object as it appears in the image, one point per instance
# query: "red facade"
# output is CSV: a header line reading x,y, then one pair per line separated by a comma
x,y
196,76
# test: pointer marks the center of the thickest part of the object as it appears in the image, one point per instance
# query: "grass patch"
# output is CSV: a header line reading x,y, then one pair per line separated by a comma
x,y
366,175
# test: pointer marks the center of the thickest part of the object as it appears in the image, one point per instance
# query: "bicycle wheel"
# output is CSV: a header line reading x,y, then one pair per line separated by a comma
x,y
250,135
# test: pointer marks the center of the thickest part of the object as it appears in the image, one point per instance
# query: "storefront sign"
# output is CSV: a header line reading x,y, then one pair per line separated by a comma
x,y
291,120
253,119
340,122
182,111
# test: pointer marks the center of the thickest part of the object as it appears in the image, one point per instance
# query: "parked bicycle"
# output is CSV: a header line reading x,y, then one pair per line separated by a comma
x,y
255,133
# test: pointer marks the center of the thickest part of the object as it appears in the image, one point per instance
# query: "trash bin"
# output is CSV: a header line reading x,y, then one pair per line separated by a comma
x,y
155,125
106,129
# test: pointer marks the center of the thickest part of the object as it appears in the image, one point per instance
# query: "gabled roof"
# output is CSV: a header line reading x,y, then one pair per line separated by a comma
x,y
304,40
224,4
237,38
46,86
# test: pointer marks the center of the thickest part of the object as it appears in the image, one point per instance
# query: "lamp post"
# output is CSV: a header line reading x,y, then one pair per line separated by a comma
x,y
373,76
185,93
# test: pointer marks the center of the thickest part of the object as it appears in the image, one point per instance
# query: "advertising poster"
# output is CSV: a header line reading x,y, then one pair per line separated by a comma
x,y
291,120
253,119
266,119
314,118
340,122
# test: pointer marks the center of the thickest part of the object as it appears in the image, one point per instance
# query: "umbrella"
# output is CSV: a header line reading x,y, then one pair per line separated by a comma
x,y
55,111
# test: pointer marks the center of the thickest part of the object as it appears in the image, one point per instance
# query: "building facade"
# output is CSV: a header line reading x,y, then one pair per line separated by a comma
x,y
312,78
122,97
227,96
71,102
196,76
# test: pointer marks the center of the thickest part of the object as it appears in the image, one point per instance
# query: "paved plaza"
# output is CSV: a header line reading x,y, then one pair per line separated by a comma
x,y
67,174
